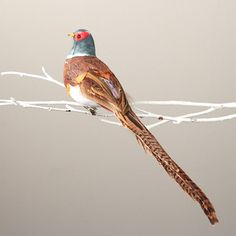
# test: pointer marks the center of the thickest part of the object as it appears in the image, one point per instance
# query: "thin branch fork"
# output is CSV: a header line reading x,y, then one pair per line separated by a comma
x,y
70,106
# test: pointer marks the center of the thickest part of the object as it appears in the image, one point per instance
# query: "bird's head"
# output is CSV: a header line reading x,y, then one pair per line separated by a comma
x,y
83,44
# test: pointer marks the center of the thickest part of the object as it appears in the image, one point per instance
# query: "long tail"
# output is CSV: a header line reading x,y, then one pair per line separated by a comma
x,y
151,145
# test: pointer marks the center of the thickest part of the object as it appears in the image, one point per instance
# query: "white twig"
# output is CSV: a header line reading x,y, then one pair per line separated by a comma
x,y
186,118
46,76
186,103
69,106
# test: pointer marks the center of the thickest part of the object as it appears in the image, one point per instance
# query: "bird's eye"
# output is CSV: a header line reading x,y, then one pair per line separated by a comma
x,y
79,36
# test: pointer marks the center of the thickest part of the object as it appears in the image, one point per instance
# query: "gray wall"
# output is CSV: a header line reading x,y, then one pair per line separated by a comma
x,y
69,174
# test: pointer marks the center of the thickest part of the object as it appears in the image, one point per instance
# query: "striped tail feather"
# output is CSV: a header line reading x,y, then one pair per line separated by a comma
x,y
151,145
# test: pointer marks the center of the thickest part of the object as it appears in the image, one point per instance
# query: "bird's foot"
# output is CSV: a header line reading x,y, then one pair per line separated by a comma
x,y
92,110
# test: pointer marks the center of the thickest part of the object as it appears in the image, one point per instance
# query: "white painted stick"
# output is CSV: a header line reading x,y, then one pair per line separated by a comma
x,y
66,106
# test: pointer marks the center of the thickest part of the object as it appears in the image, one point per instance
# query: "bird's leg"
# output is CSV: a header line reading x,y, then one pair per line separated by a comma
x,y
92,110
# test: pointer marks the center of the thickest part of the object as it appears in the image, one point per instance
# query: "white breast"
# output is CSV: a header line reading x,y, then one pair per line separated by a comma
x,y
76,94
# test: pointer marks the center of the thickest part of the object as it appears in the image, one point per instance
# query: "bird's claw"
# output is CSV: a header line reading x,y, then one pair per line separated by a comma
x,y
92,110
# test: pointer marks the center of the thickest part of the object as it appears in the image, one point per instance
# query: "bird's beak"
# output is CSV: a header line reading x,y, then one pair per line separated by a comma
x,y
72,35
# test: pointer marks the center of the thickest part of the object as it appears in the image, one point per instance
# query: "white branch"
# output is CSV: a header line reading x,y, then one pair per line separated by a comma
x,y
46,76
186,103
69,106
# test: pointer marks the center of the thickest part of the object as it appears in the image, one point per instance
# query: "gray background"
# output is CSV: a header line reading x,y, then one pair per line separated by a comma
x,y
69,174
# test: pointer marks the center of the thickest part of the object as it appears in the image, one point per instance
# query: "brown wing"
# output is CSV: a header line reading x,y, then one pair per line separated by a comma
x,y
77,66
104,89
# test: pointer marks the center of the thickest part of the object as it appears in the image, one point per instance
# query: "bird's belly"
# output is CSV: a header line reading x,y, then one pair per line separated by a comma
x,y
76,94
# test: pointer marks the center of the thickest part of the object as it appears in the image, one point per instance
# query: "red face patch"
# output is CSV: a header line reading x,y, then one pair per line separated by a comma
x,y
81,35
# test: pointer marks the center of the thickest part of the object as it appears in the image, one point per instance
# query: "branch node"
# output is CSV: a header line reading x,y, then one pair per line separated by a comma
x,y
14,101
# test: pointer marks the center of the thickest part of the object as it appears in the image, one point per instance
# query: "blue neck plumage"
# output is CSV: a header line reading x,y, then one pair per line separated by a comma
x,y
83,48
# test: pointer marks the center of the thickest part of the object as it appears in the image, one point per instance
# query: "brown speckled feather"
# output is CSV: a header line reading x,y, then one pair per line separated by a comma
x,y
99,84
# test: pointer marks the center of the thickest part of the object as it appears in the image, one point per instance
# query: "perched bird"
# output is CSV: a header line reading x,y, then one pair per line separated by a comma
x,y
92,84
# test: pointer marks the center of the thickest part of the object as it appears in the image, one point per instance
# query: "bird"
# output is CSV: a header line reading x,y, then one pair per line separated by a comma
x,y
91,83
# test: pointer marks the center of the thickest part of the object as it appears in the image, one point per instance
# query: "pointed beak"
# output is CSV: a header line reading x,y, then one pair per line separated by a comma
x,y
72,35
